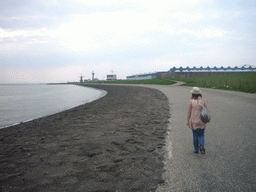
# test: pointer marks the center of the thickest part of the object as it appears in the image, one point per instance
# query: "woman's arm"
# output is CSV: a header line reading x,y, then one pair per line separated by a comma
x,y
189,111
205,104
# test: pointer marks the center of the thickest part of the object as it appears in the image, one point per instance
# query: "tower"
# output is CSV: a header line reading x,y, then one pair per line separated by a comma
x,y
93,76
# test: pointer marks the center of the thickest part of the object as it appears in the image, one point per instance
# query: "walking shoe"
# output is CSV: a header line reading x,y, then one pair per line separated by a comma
x,y
195,151
202,149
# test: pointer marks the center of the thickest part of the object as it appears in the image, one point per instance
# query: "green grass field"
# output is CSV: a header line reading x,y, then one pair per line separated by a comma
x,y
146,81
236,82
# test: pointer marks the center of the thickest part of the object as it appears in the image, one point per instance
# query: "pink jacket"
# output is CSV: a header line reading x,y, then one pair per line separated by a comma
x,y
194,108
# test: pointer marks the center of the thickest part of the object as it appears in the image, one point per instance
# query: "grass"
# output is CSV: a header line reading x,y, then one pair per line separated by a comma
x,y
236,82
155,81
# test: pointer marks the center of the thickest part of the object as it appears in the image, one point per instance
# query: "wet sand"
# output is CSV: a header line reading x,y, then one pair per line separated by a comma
x,y
115,143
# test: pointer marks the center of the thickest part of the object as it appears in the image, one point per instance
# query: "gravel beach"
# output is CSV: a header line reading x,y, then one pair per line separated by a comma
x,y
115,143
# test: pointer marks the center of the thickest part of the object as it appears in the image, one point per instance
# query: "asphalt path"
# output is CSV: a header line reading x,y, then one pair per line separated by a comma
x,y
230,141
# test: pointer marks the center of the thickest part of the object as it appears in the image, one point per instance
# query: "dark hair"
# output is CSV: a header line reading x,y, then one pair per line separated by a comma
x,y
195,96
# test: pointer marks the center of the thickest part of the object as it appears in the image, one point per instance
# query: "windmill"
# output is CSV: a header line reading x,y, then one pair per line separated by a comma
x,y
81,78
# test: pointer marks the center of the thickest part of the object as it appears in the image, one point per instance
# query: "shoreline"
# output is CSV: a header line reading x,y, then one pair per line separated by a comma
x,y
113,143
4,126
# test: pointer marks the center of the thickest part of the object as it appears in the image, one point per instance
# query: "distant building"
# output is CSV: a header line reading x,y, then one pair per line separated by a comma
x,y
205,71
249,68
142,76
111,77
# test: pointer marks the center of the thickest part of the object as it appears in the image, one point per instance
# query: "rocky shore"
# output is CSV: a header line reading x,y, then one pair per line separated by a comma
x,y
112,144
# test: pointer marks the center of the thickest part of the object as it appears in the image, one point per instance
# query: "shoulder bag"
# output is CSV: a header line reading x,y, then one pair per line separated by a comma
x,y
205,115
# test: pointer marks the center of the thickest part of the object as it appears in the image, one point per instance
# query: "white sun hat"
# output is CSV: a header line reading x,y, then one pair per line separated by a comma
x,y
196,90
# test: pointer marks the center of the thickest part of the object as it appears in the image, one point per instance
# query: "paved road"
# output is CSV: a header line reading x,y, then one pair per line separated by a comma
x,y
230,160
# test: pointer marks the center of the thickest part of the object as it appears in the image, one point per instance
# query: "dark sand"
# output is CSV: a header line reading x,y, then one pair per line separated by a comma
x,y
112,144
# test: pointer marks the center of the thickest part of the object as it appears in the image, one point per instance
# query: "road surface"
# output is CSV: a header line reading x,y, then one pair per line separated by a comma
x,y
230,141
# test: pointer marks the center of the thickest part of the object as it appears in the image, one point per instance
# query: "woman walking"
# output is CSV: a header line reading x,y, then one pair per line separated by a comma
x,y
194,120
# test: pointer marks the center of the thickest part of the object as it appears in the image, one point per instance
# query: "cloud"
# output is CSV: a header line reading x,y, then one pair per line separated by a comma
x,y
210,33
57,40
18,75
142,5
102,30
52,74
66,73
22,33
13,42
99,31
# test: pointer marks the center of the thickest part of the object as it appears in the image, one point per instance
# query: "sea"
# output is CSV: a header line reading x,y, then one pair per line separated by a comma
x,y
25,102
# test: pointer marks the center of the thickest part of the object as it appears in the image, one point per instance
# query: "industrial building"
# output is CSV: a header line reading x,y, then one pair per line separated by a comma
x,y
142,76
195,72
207,71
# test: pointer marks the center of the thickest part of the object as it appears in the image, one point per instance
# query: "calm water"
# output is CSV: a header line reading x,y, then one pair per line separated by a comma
x,y
21,103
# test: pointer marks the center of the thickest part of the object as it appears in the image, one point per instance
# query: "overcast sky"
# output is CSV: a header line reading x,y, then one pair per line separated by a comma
x,y
58,40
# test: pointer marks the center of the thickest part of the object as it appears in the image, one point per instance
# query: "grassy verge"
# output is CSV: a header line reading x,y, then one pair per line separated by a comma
x,y
145,81
236,82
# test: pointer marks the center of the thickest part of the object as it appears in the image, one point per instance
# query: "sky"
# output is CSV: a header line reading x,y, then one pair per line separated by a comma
x,y
52,41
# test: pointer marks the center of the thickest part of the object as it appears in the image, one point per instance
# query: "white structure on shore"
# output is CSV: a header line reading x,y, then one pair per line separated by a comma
x,y
111,77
